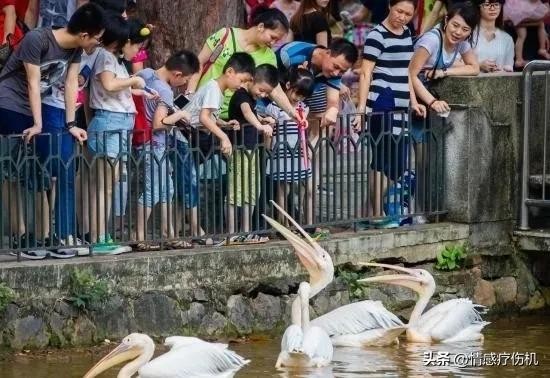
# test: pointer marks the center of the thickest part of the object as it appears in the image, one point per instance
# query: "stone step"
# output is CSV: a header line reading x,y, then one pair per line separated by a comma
x,y
533,240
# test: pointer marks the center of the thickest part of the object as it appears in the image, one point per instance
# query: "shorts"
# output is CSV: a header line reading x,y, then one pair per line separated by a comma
x,y
185,174
157,180
18,160
109,134
420,129
390,151
242,177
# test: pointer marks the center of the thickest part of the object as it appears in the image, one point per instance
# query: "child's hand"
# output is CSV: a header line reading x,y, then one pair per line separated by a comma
x,y
138,82
81,80
267,130
151,94
226,146
233,125
269,121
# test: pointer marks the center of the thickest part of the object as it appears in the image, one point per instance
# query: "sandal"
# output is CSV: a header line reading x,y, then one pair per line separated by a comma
x,y
146,247
247,239
178,244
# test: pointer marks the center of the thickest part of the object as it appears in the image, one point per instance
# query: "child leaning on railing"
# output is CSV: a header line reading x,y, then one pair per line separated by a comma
x,y
289,159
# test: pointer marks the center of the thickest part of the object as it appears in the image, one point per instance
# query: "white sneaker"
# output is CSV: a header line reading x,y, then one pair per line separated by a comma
x,y
38,254
420,219
78,248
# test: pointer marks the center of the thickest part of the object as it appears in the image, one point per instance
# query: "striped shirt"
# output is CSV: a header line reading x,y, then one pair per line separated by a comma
x,y
391,54
296,53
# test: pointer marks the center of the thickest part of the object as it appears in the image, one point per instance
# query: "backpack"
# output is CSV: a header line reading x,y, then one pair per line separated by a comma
x,y
143,131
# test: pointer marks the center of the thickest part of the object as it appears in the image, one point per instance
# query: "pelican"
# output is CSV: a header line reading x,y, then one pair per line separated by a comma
x,y
359,324
452,321
188,357
304,345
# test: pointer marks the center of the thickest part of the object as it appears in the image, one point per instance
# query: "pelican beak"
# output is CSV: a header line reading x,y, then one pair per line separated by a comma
x,y
409,280
121,353
306,250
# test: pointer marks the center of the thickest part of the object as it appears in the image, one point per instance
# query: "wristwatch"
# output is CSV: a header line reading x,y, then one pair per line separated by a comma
x,y
70,125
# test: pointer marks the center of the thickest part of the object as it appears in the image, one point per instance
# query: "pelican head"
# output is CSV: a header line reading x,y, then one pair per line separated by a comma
x,y
313,257
419,280
132,347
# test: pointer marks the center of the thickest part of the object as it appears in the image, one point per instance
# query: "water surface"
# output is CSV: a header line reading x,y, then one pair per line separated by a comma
x,y
520,335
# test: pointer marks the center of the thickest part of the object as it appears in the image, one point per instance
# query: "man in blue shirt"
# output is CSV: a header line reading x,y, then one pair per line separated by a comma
x,y
327,65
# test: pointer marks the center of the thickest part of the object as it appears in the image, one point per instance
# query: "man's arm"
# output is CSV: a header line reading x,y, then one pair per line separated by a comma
x,y
71,92
331,114
35,99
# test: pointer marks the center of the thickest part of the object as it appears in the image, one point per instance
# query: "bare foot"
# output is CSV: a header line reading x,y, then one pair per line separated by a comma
x,y
544,54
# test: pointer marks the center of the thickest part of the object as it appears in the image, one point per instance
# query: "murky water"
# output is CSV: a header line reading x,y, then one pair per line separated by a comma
x,y
508,339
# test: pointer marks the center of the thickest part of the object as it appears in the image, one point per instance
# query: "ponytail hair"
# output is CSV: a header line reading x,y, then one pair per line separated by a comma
x,y
272,18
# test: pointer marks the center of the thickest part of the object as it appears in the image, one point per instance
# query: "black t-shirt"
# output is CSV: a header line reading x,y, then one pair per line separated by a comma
x,y
248,135
312,23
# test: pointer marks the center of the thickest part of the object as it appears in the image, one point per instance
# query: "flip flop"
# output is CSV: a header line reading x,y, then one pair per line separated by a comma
x,y
179,244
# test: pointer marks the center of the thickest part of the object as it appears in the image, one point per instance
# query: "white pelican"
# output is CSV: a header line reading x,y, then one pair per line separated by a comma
x,y
304,345
359,324
451,321
188,357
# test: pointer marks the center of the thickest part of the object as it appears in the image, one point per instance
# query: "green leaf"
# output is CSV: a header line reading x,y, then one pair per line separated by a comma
x,y
451,265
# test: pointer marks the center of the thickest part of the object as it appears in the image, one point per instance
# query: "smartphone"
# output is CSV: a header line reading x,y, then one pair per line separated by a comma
x,y
85,72
180,101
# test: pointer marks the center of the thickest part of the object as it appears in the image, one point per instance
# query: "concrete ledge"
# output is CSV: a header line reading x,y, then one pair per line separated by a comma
x,y
535,241
228,269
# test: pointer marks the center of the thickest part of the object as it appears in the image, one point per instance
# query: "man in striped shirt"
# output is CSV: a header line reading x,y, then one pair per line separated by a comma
x,y
327,65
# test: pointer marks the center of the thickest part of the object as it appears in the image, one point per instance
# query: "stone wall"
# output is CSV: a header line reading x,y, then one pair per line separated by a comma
x,y
239,292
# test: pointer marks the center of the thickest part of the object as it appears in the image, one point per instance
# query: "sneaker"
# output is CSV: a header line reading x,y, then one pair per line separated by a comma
x,y
38,254
389,223
363,225
77,247
105,249
25,241
63,253
419,219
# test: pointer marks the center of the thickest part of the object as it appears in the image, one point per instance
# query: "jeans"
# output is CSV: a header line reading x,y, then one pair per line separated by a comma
x,y
185,174
57,148
158,185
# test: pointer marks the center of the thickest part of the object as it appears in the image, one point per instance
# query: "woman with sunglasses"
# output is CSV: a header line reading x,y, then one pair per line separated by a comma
x,y
494,47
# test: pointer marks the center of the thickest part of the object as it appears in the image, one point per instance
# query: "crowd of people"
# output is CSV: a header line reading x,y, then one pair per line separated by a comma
x,y
79,75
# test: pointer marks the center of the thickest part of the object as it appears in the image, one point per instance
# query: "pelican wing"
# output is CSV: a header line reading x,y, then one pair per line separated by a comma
x,y
317,344
357,317
292,339
199,359
178,341
449,318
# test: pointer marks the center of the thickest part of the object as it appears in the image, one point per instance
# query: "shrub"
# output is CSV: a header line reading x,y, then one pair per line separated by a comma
x,y
7,295
451,258
86,290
